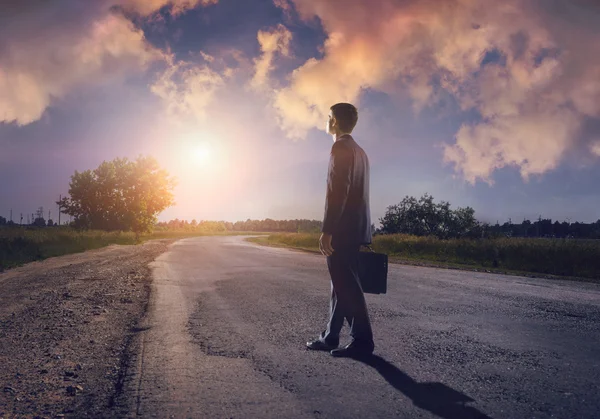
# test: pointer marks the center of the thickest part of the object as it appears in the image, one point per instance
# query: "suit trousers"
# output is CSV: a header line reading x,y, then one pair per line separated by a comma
x,y
347,298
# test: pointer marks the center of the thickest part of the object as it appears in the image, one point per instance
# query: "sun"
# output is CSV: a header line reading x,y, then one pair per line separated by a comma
x,y
202,153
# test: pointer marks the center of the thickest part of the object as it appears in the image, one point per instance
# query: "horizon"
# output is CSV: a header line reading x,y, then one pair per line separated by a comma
x,y
498,110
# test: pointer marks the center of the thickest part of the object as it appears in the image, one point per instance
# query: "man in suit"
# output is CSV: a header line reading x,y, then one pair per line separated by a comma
x,y
346,226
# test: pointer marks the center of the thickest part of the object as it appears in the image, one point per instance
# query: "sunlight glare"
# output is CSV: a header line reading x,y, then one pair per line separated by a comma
x,y
202,153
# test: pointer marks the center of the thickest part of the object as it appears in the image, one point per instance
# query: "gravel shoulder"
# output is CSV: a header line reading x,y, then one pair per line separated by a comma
x,y
66,325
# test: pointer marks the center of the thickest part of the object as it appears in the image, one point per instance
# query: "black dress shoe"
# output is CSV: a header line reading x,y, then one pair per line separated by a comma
x,y
354,350
319,345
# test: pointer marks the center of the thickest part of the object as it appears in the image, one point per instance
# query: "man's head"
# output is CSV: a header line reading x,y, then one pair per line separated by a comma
x,y
342,119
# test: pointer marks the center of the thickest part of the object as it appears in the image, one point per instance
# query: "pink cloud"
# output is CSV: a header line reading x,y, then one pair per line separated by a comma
x,y
595,148
286,6
48,51
187,89
147,7
33,73
532,101
275,41
534,143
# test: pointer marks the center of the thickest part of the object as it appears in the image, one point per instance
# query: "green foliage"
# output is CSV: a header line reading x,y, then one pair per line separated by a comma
x,y
21,245
423,217
119,195
565,257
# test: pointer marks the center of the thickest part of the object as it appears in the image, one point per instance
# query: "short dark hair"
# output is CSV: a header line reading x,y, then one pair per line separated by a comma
x,y
346,115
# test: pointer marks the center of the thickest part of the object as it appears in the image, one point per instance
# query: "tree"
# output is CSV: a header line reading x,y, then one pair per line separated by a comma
x,y
400,218
119,195
424,217
463,223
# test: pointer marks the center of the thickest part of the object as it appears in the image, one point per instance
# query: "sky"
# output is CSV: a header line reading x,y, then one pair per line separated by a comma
x,y
488,104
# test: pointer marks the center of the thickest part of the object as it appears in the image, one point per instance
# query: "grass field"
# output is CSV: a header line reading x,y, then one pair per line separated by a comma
x,y
553,257
19,245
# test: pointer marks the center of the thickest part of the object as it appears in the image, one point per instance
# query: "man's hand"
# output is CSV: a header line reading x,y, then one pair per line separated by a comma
x,y
325,244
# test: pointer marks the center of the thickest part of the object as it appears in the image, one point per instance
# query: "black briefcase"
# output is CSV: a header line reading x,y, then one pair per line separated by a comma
x,y
372,271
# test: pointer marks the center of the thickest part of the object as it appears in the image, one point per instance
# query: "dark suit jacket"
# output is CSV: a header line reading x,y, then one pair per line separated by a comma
x,y
347,212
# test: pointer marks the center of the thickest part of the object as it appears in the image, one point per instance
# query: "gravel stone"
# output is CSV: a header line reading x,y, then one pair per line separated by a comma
x,y
53,346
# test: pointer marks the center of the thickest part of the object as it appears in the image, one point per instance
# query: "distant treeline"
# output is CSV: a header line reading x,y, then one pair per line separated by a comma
x,y
37,220
266,225
424,217
545,228
416,217
539,228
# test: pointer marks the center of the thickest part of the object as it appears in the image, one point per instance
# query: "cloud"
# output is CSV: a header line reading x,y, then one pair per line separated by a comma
x,y
33,72
531,70
286,7
187,89
283,4
147,7
534,143
274,41
48,49
595,147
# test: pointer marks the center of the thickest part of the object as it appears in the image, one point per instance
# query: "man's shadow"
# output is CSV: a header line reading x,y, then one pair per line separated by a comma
x,y
437,398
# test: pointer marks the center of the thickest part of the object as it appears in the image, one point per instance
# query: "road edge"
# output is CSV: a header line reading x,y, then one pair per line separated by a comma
x,y
440,265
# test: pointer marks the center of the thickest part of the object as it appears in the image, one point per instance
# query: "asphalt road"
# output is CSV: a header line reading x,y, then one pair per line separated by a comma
x,y
228,320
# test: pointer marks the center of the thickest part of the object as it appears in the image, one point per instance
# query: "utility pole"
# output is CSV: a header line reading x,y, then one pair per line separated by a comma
x,y
11,215
59,208
21,222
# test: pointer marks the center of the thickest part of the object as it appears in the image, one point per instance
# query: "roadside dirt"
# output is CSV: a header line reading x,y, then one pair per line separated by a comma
x,y
65,327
